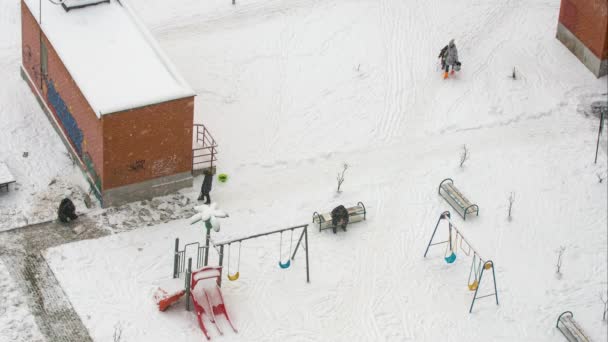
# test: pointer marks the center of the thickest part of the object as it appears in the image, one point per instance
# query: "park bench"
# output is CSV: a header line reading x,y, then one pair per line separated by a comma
x,y
355,214
6,177
456,199
570,329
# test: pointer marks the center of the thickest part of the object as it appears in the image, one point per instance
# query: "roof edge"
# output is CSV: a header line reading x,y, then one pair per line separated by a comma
x,y
120,109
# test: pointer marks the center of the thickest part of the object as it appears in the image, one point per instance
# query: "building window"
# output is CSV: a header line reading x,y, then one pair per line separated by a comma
x,y
43,59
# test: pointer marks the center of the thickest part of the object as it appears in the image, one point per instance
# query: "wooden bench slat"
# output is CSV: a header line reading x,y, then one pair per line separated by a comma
x,y
456,199
574,329
451,190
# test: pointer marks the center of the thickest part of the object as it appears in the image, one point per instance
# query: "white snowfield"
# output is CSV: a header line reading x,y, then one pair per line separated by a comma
x,y
113,59
293,89
16,322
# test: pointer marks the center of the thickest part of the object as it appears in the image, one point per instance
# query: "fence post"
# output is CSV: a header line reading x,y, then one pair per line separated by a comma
x,y
207,238
187,281
176,259
599,133
219,279
306,241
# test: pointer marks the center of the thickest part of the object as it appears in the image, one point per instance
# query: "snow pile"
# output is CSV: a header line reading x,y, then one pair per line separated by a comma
x,y
16,322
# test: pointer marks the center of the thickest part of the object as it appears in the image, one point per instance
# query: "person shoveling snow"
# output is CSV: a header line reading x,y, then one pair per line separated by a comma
x,y
449,57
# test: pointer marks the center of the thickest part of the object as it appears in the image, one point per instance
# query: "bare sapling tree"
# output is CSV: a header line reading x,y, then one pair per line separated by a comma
x,y
511,200
600,178
560,253
117,337
464,156
340,177
605,301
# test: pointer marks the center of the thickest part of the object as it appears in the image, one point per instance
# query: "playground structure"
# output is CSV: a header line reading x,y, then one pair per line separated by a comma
x,y
570,329
302,240
478,264
355,214
212,297
456,199
179,257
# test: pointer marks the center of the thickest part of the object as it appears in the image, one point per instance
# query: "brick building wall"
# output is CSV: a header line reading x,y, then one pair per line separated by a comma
x,y
159,140
128,155
583,28
63,96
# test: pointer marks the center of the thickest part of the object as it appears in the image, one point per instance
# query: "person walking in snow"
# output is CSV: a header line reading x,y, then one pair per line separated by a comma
x,y
449,57
206,186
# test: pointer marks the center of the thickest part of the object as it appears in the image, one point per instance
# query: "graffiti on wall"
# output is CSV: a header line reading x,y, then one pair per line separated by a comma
x,y
65,117
167,166
137,165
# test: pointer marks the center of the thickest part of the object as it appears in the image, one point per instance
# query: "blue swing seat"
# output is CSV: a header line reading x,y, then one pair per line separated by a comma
x,y
285,265
451,258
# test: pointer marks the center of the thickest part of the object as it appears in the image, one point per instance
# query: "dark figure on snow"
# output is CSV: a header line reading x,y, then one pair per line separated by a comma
x,y
339,217
67,211
206,186
449,57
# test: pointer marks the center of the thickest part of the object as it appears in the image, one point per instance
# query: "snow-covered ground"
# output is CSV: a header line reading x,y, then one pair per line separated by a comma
x,y
16,322
29,146
291,90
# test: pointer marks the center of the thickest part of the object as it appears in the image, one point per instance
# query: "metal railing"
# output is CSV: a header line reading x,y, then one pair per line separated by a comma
x,y
204,154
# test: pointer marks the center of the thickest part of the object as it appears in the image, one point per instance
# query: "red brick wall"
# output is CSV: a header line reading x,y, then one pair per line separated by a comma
x,y
148,142
79,108
588,21
30,45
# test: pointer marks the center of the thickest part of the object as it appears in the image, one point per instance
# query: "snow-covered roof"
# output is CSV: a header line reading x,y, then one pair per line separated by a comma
x,y
112,57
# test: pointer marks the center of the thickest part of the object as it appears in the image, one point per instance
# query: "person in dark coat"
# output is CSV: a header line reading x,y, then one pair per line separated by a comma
x,y
66,211
339,217
206,186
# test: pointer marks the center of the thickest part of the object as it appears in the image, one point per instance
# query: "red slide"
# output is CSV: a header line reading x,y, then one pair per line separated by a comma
x,y
216,302
199,315
213,296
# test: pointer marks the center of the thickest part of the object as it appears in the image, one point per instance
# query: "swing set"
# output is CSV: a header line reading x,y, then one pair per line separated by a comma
x,y
283,264
456,241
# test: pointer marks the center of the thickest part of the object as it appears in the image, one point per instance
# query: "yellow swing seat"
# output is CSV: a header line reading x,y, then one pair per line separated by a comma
x,y
234,276
473,286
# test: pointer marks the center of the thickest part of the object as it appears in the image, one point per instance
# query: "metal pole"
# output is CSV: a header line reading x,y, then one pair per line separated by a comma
x,y
187,281
298,244
599,133
494,277
477,289
445,213
306,240
259,235
219,279
207,246
175,259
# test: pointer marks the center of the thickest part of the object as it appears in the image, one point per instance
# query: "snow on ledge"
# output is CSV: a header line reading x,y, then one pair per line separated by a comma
x,y
114,60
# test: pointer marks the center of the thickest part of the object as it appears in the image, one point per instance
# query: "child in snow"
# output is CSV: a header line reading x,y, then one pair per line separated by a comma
x,y
206,186
66,211
449,57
